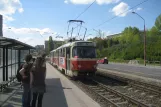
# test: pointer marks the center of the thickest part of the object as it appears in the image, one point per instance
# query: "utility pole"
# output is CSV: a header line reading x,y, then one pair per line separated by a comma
x,y
144,38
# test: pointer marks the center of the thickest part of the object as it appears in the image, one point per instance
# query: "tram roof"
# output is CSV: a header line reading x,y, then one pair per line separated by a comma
x,y
69,44
15,44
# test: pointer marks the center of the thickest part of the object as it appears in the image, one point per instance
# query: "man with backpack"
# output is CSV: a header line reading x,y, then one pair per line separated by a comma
x,y
24,77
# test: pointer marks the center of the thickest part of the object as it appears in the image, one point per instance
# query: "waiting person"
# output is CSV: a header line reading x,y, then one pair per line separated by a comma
x,y
38,75
33,59
25,73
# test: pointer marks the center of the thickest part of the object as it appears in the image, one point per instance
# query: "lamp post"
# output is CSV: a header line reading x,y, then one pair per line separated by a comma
x,y
144,38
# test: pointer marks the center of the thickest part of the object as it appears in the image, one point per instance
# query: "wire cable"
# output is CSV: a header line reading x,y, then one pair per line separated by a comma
x,y
85,9
119,14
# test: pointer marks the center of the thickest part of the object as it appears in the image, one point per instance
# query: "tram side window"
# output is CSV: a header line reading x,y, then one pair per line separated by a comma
x,y
74,52
56,55
52,54
63,53
60,52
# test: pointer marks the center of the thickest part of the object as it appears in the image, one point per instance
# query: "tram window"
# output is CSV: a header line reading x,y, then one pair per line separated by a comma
x,y
63,52
56,55
84,52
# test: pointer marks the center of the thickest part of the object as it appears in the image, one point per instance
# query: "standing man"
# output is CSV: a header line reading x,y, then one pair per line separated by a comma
x,y
25,73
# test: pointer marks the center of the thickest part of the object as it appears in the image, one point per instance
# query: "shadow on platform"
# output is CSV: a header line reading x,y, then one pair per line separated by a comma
x,y
54,96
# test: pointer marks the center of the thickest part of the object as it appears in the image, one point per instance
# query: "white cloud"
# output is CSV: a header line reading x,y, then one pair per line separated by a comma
x,y
8,18
27,30
100,2
139,8
9,7
107,33
66,1
30,36
121,9
20,10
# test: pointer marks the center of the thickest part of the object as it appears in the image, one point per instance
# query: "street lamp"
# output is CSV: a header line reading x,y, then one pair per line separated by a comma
x,y
144,38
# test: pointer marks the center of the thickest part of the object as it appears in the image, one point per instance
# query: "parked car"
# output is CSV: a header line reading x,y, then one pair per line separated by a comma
x,y
103,61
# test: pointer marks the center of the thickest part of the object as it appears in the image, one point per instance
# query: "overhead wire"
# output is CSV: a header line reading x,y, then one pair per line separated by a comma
x,y
85,10
80,15
119,14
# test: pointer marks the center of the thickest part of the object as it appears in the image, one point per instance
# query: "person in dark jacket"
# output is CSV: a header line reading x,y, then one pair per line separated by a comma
x,y
25,72
38,75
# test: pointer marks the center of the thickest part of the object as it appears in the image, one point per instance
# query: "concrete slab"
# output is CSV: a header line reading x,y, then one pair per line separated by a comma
x,y
129,76
7,97
62,93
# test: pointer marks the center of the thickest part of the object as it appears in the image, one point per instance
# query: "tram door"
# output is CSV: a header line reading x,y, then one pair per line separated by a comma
x,y
68,58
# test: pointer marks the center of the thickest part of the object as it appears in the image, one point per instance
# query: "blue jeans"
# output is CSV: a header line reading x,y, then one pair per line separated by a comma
x,y
26,97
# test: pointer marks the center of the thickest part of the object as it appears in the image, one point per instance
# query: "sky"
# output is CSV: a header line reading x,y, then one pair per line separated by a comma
x,y
33,21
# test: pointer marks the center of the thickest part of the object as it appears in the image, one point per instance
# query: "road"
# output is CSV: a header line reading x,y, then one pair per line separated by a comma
x,y
150,72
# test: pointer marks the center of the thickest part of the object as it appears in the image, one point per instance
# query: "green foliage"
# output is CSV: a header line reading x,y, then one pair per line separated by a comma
x,y
158,22
130,44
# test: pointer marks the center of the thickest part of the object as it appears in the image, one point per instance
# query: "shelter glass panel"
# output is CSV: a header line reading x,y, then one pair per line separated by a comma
x,y
9,56
9,71
16,56
23,54
1,57
16,67
1,75
13,56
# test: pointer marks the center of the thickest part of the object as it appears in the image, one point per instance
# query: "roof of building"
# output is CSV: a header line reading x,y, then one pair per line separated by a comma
x,y
15,44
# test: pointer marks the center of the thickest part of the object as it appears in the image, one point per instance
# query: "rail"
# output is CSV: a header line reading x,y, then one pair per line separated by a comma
x,y
112,96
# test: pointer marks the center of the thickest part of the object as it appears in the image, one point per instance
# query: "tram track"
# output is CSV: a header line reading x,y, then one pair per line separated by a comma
x,y
113,92
111,96
141,91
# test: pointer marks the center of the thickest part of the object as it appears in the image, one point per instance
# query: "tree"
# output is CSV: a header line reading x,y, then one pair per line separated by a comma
x,y
158,22
51,46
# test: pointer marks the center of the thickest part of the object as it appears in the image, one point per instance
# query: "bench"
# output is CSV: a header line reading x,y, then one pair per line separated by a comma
x,y
3,85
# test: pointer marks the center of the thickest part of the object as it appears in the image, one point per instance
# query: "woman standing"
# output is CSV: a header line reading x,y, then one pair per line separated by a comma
x,y
38,75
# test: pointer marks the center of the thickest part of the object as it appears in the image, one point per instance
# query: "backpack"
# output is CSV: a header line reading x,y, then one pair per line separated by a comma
x,y
18,75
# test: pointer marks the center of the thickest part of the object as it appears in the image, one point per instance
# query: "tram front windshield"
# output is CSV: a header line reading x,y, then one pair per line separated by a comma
x,y
84,52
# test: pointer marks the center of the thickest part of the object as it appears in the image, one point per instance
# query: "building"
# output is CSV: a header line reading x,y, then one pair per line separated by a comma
x,y
39,49
46,46
56,44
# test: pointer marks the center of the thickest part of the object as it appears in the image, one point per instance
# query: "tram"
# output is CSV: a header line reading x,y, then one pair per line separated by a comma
x,y
75,58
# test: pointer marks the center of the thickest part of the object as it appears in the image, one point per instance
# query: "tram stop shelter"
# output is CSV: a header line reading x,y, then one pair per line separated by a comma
x,y
12,53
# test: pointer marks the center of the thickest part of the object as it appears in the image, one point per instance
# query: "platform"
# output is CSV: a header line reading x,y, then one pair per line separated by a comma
x,y
60,93
147,74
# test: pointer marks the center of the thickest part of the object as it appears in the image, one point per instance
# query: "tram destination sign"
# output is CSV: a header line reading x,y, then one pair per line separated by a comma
x,y
85,44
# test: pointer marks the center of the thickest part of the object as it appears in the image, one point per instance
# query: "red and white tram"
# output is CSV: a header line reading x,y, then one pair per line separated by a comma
x,y
75,58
